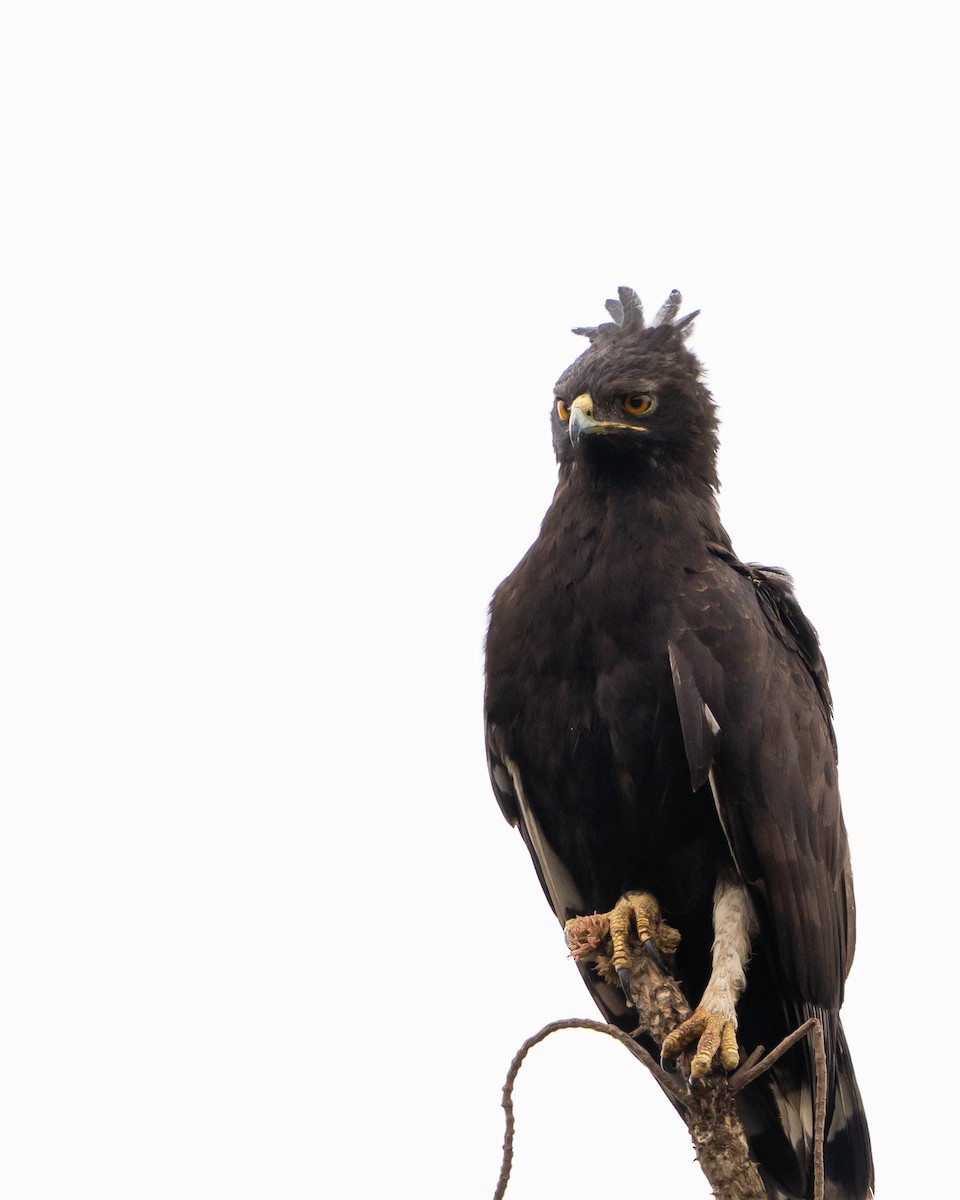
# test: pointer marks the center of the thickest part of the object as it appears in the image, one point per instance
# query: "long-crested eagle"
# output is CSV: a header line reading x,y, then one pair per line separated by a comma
x,y
658,718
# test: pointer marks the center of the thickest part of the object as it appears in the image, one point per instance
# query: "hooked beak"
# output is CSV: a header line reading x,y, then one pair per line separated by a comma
x,y
581,417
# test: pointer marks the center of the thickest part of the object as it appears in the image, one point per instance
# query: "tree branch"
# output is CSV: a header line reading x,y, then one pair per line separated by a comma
x,y
708,1105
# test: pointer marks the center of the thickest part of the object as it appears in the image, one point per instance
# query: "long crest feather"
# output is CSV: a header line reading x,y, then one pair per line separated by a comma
x,y
669,309
627,313
632,308
594,331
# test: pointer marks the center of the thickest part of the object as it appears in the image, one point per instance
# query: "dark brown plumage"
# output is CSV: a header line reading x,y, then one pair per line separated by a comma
x,y
659,719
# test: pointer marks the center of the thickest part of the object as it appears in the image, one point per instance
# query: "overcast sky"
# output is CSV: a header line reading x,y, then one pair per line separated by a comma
x,y
284,295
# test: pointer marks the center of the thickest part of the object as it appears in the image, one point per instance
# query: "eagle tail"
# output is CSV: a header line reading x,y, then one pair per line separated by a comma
x,y
782,1141
848,1161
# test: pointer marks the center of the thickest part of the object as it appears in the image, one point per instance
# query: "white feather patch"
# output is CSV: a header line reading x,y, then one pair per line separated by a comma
x,y
564,893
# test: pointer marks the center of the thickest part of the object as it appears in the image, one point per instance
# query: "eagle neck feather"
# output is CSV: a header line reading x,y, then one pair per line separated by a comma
x,y
639,507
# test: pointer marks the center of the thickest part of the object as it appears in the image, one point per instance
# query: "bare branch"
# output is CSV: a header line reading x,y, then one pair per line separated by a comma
x,y
708,1105
752,1069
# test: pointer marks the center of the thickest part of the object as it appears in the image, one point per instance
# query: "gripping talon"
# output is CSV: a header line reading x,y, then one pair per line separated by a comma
x,y
615,939
716,1038
650,946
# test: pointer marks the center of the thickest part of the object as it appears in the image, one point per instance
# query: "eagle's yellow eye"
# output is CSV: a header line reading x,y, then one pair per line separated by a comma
x,y
637,405
562,411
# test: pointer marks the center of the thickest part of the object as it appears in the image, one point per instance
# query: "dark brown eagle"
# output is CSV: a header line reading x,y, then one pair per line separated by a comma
x,y
658,718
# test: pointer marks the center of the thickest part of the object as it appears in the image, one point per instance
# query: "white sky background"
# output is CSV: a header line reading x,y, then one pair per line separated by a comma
x,y
284,297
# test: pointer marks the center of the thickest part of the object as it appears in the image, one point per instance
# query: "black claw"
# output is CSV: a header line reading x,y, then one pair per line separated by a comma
x,y
669,1064
624,975
651,948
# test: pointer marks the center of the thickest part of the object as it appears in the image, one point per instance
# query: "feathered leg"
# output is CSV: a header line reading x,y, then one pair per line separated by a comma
x,y
713,1024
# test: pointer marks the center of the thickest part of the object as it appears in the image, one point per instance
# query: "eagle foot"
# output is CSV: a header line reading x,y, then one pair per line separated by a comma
x,y
613,938
716,1038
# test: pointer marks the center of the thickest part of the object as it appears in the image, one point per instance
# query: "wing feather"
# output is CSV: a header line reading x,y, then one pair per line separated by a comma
x,y
748,657
554,875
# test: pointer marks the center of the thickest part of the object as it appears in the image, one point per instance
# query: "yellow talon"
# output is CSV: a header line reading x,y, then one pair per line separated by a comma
x,y
636,914
729,1050
716,1038
636,908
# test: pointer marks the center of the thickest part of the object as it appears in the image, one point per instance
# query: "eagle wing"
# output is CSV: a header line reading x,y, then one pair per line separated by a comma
x,y
755,710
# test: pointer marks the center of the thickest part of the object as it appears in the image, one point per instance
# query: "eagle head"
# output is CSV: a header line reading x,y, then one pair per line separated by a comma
x,y
634,401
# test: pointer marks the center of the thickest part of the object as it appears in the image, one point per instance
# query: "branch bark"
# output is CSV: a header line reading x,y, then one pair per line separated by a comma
x,y
708,1105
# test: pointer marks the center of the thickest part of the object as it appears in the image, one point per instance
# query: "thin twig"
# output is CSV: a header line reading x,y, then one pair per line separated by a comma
x,y
746,1065
820,1110
521,1054
666,1081
752,1069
